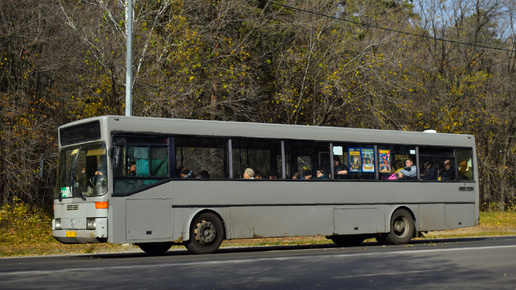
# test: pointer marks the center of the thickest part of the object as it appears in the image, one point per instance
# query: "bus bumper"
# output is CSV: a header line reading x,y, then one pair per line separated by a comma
x,y
78,231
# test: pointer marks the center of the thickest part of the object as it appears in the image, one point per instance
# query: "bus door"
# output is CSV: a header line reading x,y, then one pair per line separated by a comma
x,y
141,176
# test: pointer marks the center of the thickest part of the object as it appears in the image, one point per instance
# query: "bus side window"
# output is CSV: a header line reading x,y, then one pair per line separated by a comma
x,y
392,159
205,157
437,160
143,161
263,156
354,161
465,163
306,158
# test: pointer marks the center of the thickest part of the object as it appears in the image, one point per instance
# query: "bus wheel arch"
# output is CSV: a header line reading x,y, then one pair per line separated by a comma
x,y
401,227
206,232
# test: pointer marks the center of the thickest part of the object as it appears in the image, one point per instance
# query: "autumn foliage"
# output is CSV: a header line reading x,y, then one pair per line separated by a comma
x,y
371,64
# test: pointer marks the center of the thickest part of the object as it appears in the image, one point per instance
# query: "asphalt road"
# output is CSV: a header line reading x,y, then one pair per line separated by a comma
x,y
473,263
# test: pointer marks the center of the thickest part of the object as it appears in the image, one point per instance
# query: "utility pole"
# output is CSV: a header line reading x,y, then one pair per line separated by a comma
x,y
129,59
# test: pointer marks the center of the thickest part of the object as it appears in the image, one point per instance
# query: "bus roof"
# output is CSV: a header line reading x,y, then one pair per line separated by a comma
x,y
166,126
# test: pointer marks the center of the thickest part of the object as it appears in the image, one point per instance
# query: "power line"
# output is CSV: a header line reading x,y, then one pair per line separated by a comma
x,y
391,30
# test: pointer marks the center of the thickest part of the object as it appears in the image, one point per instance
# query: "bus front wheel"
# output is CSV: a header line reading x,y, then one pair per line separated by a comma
x,y
402,228
206,234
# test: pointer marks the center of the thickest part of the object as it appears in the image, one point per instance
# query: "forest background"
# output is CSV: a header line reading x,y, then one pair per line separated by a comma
x,y
386,64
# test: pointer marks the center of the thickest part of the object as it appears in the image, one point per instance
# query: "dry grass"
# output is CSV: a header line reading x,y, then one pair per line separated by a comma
x,y
491,224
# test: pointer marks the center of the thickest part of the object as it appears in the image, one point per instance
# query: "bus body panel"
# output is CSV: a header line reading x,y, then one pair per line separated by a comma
x,y
458,216
255,208
431,217
149,219
364,219
262,221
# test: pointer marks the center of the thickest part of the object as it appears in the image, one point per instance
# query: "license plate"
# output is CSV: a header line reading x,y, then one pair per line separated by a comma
x,y
71,234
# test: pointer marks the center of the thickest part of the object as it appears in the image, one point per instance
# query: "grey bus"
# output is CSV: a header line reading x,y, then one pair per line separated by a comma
x,y
157,182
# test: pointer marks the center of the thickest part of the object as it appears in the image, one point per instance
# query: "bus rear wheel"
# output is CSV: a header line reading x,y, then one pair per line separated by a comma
x,y
206,234
402,228
155,248
347,241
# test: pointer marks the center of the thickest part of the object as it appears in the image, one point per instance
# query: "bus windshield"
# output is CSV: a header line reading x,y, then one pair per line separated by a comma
x,y
82,172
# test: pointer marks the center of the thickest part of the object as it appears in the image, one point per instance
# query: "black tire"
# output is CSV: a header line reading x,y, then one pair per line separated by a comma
x,y
155,248
206,234
347,241
402,228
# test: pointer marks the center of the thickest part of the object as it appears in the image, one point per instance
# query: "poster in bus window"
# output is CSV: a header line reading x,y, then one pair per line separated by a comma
x,y
385,160
367,160
355,160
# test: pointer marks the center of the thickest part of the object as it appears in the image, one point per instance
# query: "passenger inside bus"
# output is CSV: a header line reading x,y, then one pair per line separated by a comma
x,y
438,168
409,172
448,173
203,175
321,174
274,175
185,173
132,169
307,174
338,168
465,172
429,171
248,173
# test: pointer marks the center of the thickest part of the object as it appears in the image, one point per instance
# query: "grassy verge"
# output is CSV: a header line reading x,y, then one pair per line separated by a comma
x,y
30,234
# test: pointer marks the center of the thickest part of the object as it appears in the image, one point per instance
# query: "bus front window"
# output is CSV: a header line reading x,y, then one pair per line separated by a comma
x,y
82,172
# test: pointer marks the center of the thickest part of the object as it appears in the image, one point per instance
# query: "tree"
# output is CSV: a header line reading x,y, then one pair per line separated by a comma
x,y
360,65
32,61
471,87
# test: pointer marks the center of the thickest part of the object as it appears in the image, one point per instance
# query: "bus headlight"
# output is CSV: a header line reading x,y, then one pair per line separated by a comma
x,y
57,224
91,223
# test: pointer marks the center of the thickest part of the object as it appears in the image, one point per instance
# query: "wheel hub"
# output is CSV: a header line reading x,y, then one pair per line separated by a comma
x,y
399,226
205,232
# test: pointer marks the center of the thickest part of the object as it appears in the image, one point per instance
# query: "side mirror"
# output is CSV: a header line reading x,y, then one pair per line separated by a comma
x,y
42,162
